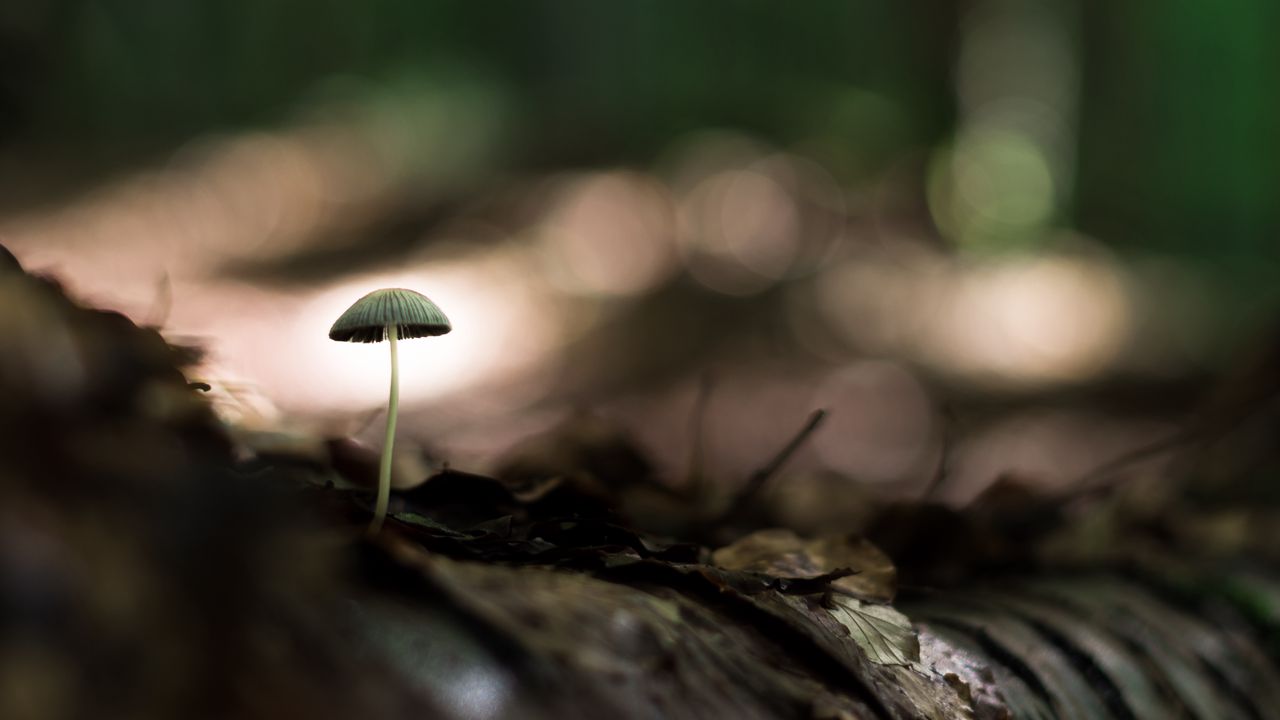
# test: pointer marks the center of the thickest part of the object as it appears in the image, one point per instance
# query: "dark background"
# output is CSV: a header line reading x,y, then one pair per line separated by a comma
x,y
901,211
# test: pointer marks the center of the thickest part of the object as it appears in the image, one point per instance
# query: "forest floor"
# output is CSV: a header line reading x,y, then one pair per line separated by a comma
x,y
156,562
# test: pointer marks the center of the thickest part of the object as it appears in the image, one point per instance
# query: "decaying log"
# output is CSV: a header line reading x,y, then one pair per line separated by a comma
x,y
155,564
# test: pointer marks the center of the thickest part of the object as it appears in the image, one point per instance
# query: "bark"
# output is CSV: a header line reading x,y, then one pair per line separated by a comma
x,y
155,563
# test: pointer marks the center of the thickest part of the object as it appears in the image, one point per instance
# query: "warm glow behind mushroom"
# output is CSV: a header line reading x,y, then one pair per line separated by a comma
x,y
499,328
504,325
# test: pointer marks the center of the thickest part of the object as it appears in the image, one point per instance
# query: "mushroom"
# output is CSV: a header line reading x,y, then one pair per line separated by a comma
x,y
390,314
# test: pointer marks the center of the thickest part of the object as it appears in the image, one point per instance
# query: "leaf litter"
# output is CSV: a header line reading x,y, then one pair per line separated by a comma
x,y
553,582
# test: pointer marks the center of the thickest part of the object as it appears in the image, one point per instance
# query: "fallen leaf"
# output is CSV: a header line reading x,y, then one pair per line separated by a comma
x,y
782,554
884,634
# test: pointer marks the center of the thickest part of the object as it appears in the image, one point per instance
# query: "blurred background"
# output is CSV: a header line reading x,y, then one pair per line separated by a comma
x,y
1024,231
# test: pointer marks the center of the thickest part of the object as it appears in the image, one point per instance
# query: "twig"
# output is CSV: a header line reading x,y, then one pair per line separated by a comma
x,y
942,471
1218,420
757,480
364,422
162,303
1093,478
697,433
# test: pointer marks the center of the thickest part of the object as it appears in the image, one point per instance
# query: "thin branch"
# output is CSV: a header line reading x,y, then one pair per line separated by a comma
x,y
161,303
697,434
1100,473
942,471
756,482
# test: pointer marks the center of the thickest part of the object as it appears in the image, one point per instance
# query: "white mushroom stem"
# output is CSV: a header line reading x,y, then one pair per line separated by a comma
x,y
384,468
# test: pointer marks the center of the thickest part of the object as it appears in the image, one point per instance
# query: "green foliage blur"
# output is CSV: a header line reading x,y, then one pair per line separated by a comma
x,y
1177,114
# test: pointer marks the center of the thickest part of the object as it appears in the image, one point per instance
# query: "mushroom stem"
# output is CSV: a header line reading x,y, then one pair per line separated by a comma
x,y
384,468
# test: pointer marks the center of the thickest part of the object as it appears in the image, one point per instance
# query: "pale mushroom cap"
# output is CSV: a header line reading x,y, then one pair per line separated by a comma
x,y
410,312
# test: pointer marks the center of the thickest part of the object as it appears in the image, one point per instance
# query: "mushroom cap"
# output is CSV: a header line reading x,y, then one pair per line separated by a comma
x,y
411,312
